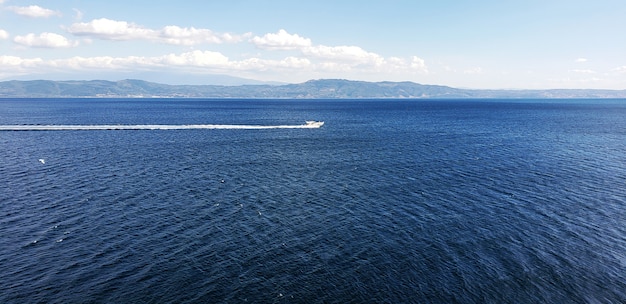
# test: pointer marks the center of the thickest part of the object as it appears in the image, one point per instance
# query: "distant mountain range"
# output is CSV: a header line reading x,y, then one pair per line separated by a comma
x,y
325,88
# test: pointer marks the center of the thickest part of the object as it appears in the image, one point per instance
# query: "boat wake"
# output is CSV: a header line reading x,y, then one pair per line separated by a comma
x,y
307,125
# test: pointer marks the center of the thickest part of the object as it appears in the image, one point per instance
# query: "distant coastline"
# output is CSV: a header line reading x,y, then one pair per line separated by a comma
x,y
313,89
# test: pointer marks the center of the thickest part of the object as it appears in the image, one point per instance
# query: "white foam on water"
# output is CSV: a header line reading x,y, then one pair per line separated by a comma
x,y
307,125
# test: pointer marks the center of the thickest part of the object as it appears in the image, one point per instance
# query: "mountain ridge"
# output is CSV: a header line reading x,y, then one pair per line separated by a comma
x,y
320,88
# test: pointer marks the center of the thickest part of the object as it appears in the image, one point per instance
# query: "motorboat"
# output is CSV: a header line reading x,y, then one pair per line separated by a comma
x,y
313,124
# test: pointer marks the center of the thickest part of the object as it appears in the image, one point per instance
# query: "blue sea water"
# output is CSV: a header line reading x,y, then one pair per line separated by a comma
x,y
391,201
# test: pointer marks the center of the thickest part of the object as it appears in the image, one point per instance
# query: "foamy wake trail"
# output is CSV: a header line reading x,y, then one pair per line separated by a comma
x,y
308,125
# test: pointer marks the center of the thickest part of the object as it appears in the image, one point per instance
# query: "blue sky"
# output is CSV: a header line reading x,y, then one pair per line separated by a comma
x,y
531,44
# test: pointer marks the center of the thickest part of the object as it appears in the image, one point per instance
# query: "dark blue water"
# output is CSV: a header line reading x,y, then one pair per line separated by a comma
x,y
389,202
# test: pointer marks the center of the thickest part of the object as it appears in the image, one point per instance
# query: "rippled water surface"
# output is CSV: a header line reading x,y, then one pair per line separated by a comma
x,y
390,201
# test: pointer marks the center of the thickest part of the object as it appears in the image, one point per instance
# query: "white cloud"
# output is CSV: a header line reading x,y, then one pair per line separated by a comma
x,y
207,60
581,60
217,61
194,58
331,63
4,34
97,63
107,29
45,40
418,64
33,11
110,30
583,71
336,58
294,62
191,36
16,63
313,57
343,53
620,70
281,41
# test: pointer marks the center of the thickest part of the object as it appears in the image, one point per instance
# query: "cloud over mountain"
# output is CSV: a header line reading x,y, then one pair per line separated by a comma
x,y
45,40
296,53
107,29
281,41
334,58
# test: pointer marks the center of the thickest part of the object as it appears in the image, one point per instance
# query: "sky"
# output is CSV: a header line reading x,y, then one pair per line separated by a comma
x,y
480,44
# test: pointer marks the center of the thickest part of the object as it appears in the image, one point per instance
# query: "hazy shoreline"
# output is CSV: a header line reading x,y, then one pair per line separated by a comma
x,y
314,89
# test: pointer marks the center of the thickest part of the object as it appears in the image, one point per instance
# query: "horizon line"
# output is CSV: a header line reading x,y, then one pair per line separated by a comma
x,y
313,80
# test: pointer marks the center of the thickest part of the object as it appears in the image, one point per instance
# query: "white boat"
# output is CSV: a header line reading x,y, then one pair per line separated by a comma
x,y
313,124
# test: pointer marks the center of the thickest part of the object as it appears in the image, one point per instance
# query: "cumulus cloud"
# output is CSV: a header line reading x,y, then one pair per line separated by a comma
x,y
335,58
343,53
108,29
418,64
33,11
4,34
305,54
581,60
206,60
321,61
14,63
216,60
281,41
191,36
45,40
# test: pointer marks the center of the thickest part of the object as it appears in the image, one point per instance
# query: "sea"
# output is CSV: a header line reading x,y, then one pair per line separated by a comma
x,y
390,201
